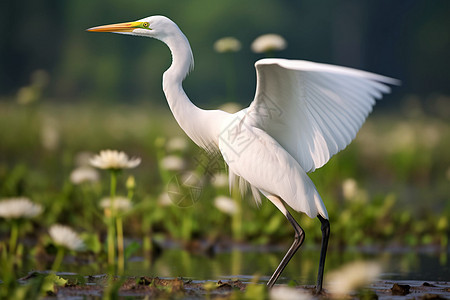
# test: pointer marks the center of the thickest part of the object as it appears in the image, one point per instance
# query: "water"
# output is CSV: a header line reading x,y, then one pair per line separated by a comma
x,y
245,263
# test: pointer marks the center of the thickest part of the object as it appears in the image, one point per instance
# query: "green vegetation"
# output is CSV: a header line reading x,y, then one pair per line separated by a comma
x,y
394,176
389,187
86,93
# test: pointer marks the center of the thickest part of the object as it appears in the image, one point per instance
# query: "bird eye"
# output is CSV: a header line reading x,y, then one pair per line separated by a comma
x,y
145,24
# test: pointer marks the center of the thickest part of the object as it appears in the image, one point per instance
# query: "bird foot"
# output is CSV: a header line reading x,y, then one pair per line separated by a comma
x,y
319,291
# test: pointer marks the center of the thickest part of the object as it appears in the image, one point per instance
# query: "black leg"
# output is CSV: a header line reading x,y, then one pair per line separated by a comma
x,y
323,251
298,241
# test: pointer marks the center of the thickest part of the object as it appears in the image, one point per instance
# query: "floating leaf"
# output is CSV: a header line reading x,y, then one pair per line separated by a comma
x,y
50,281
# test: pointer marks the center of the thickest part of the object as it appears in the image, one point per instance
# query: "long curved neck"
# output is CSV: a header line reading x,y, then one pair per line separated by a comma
x,y
191,119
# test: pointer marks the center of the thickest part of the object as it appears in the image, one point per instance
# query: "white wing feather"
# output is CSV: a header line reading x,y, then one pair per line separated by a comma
x,y
313,110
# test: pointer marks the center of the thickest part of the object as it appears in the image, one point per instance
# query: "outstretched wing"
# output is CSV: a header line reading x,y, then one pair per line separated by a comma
x,y
313,110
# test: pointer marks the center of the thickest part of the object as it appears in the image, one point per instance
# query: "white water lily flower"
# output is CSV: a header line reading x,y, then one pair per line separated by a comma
x,y
84,174
219,180
15,208
268,42
177,143
227,44
190,178
352,276
164,199
352,192
66,237
349,188
113,159
226,205
288,293
120,203
172,163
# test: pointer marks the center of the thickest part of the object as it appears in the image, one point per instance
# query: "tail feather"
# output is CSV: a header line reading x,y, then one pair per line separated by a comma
x,y
321,210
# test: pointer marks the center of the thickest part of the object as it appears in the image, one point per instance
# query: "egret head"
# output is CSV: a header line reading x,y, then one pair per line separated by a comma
x,y
161,28
157,27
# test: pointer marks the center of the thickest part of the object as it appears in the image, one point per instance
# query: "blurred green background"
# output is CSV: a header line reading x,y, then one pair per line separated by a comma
x,y
408,40
93,91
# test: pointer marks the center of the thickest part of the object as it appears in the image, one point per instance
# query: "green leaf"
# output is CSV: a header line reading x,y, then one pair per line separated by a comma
x,y
50,281
130,249
256,291
91,241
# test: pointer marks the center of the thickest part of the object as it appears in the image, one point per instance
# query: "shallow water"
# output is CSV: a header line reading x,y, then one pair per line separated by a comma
x,y
424,273
244,265
246,262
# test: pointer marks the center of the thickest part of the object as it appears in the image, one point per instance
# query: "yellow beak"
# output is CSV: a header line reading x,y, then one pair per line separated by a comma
x,y
120,27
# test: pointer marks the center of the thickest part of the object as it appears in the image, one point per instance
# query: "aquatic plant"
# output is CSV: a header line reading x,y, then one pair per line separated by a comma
x,y
351,277
16,210
64,238
114,161
268,43
227,44
84,174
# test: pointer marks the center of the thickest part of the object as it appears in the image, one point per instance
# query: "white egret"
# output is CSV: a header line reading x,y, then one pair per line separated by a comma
x,y
302,114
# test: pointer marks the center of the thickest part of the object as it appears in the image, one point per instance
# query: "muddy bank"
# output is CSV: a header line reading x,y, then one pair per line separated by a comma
x,y
99,286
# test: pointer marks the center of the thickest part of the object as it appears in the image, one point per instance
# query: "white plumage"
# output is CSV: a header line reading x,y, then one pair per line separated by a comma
x,y
321,107
303,113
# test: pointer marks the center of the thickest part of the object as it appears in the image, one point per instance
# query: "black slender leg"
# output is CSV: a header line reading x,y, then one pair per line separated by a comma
x,y
323,251
298,241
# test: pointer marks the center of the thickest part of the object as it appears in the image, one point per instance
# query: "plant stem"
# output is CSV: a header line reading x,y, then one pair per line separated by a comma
x,y
111,219
236,219
87,203
120,252
13,238
130,194
58,259
113,185
187,225
111,241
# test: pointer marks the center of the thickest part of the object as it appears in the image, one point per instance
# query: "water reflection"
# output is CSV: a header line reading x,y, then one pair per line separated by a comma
x,y
244,264
237,263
